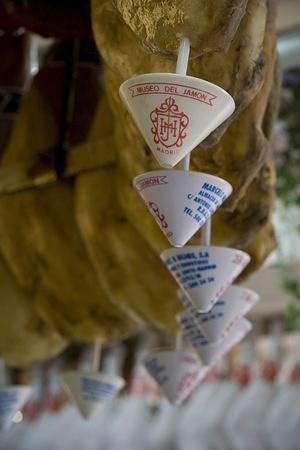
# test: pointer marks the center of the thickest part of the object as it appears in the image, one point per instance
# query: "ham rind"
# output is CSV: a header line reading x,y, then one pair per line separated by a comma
x,y
39,236
210,25
25,337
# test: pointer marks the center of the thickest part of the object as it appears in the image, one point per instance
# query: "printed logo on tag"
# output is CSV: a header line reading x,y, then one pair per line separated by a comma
x,y
169,124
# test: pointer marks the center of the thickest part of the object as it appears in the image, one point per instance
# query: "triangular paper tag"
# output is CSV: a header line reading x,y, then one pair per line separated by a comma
x,y
89,391
181,201
208,352
175,112
177,373
225,314
12,399
204,272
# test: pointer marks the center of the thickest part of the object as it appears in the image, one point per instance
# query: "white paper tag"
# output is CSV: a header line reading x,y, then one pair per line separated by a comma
x,y
225,314
177,373
174,112
208,352
181,201
204,272
90,391
12,399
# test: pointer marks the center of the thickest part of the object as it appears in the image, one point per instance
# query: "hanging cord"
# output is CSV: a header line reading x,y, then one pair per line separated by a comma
x,y
179,341
206,233
96,356
181,69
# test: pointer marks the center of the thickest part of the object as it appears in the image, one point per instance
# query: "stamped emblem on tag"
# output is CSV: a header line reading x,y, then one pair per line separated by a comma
x,y
169,124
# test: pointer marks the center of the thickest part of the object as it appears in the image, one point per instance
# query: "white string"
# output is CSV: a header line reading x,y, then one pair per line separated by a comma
x,y
3,379
206,233
96,356
179,341
185,162
181,69
183,56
